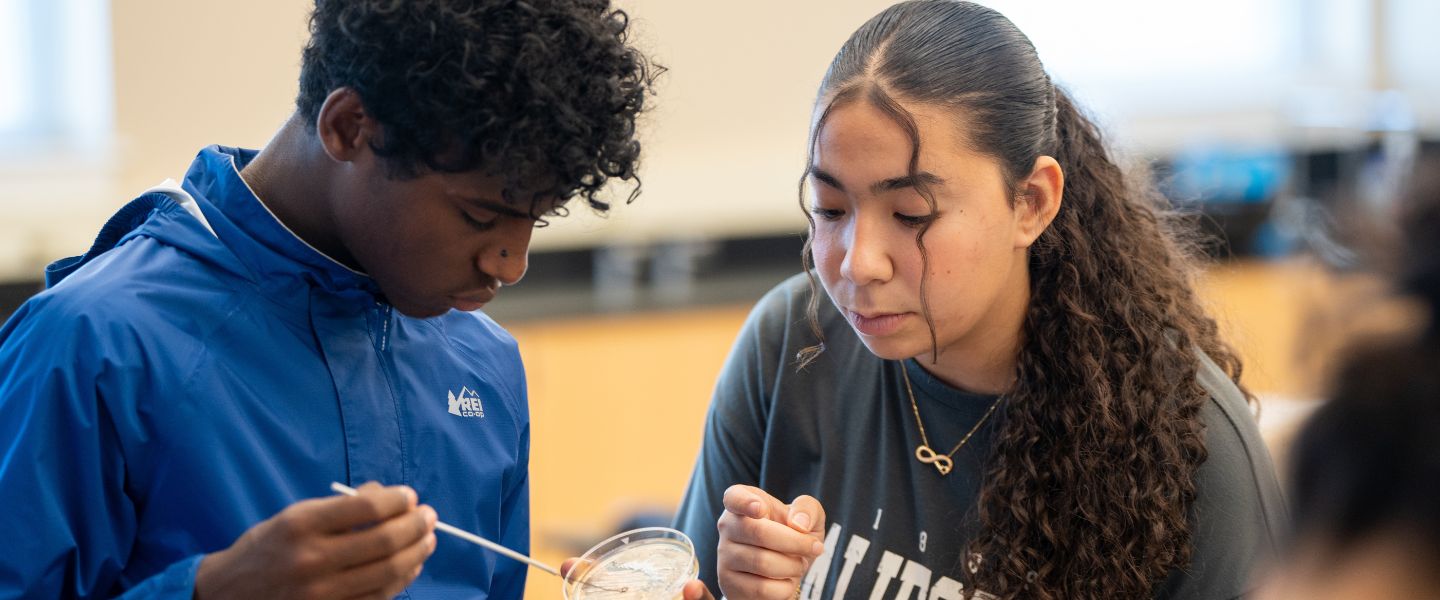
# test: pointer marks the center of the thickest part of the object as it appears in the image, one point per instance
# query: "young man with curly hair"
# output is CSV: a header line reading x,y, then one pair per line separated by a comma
x,y
175,405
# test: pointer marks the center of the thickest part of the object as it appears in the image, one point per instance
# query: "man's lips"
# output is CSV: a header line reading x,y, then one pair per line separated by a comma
x,y
471,302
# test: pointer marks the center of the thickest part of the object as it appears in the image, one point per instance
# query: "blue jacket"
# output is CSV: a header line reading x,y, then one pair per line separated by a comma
x,y
174,387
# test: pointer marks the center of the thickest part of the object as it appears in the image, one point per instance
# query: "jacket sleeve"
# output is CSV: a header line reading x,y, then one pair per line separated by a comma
x,y
509,579
69,523
176,582
734,439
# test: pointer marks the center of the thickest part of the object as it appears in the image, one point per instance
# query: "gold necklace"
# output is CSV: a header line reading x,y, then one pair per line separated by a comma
x,y
923,453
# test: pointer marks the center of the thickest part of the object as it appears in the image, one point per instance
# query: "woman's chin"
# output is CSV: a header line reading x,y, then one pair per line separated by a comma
x,y
890,349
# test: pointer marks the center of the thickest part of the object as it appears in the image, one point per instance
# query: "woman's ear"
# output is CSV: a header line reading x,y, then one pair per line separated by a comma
x,y
343,126
1038,200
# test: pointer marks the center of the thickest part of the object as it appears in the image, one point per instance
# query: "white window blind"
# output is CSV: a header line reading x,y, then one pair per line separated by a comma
x,y
55,75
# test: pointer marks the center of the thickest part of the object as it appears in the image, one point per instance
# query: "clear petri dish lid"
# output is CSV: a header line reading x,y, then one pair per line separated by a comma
x,y
651,563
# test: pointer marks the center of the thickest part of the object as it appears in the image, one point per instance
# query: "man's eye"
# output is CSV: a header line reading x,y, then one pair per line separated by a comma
x,y
478,224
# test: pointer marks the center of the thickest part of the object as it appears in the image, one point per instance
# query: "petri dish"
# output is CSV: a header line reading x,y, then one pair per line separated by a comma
x,y
651,563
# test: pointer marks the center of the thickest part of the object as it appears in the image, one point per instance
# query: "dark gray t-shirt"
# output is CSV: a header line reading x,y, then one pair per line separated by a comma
x,y
843,430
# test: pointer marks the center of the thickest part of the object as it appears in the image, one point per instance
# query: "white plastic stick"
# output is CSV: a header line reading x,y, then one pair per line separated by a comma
x,y
467,536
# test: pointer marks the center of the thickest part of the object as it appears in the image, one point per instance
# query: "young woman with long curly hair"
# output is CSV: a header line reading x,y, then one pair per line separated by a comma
x,y
1012,391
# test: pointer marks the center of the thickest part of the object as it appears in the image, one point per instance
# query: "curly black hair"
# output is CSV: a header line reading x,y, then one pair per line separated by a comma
x,y
544,93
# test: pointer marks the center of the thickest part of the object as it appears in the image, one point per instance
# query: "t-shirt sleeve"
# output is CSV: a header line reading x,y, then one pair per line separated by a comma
x,y
62,474
1239,508
735,426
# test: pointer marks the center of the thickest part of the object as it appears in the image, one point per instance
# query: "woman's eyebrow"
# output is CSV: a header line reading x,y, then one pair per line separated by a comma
x,y
924,178
826,178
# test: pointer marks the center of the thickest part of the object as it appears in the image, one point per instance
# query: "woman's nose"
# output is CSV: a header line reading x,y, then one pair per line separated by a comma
x,y
867,257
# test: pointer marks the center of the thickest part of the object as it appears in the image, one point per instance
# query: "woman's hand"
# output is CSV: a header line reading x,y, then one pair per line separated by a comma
x,y
766,545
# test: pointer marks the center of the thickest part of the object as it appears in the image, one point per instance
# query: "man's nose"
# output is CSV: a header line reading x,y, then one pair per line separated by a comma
x,y
508,256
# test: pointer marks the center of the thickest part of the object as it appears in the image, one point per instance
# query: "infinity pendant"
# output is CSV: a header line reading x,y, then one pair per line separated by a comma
x,y
925,455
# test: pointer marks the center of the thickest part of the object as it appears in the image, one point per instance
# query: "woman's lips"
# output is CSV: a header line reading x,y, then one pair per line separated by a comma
x,y
877,324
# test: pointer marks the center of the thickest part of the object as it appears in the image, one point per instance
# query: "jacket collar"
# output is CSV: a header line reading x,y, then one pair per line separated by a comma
x,y
270,251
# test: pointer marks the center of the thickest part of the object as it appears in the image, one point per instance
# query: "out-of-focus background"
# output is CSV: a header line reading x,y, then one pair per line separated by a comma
x,y
1286,125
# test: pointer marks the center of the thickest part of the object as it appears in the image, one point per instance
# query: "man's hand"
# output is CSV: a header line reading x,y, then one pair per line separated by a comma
x,y
766,545
371,545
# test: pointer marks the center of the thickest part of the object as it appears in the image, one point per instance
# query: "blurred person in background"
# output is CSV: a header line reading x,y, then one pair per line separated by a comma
x,y
1365,472
1010,388
309,313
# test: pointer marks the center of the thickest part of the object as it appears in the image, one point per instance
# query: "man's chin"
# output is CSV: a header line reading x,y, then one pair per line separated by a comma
x,y
436,307
416,311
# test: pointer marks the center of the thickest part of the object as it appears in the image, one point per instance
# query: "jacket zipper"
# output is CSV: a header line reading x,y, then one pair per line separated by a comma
x,y
383,313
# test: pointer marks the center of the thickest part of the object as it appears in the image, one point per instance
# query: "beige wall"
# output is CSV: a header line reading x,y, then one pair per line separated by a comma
x,y
724,142
191,73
